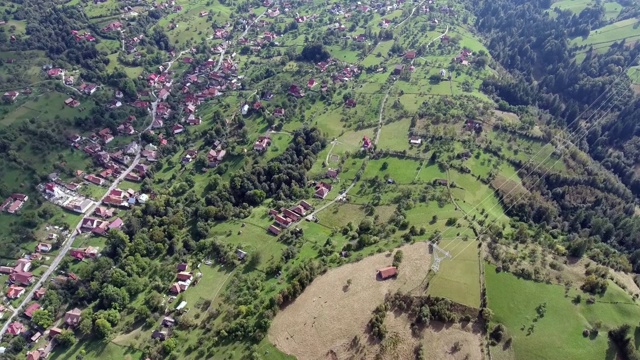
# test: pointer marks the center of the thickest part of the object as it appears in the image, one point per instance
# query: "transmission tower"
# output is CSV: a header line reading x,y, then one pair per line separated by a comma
x,y
439,254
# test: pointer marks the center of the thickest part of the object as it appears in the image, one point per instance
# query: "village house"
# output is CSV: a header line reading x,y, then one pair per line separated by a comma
x,y
10,96
398,69
322,190
16,328
262,143
14,291
40,293
105,135
311,83
88,89
215,157
177,129
28,312
71,102
282,221
410,55
192,120
291,215
415,140
22,278
296,91
116,25
350,103
366,143
82,253
72,317
278,112
274,229
14,203
332,173
43,247
94,179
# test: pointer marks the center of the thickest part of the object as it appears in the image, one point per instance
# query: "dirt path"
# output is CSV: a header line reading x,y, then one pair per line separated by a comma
x,y
379,130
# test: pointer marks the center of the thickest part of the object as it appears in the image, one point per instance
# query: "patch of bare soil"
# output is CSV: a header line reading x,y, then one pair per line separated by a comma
x,y
325,318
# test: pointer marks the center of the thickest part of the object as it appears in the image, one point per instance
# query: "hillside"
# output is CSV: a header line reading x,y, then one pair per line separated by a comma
x,y
210,179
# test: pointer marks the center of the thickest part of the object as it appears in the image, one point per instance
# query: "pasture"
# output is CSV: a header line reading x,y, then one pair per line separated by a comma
x,y
558,333
602,38
459,278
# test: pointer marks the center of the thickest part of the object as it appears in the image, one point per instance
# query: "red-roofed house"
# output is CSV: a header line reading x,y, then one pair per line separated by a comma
x,y
10,96
274,229
321,192
22,278
184,276
14,292
278,112
410,55
34,355
73,317
296,91
15,328
311,83
366,143
350,103
332,173
40,293
282,221
177,129
291,215
262,143
43,247
31,309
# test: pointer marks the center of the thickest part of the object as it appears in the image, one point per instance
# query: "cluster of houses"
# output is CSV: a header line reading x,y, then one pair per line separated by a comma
x,y
19,277
184,279
100,227
86,36
14,203
285,217
463,57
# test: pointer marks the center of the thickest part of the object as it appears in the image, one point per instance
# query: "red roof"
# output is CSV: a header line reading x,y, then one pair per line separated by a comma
x,y
31,309
274,229
24,278
388,272
15,328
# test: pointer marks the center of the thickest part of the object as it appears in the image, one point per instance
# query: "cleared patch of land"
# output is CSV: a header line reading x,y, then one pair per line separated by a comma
x,y
329,314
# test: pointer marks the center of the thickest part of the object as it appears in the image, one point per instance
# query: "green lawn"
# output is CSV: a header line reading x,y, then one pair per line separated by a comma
x,y
557,335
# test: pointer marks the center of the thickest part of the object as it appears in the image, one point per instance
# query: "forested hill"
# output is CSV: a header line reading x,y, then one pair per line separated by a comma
x,y
532,44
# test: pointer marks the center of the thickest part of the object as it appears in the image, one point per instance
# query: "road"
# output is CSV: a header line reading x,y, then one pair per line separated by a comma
x,y
67,244
384,101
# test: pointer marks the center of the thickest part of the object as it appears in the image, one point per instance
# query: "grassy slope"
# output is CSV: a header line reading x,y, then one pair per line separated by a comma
x,y
557,335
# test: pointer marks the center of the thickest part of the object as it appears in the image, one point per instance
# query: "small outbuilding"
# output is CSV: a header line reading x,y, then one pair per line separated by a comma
x,y
388,272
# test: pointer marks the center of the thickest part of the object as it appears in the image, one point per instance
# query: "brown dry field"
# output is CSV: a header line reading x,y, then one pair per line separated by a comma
x,y
323,321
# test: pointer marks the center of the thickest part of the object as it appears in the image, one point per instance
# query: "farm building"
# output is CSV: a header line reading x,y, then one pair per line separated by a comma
x,y
388,272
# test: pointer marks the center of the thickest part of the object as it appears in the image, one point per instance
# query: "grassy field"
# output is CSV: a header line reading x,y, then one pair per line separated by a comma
x,y
459,278
402,171
558,334
602,38
97,350
575,6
